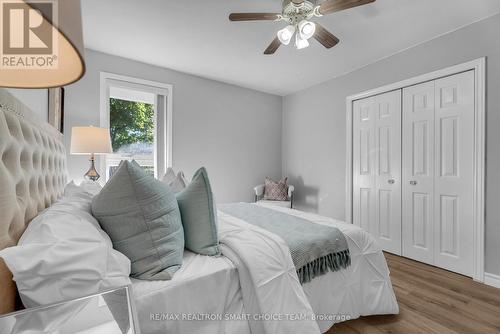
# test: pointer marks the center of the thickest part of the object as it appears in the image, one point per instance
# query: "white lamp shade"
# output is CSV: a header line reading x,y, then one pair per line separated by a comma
x,y
90,140
285,35
67,48
307,29
300,43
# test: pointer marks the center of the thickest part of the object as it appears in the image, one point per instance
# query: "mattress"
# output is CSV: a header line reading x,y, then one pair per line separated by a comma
x,y
210,287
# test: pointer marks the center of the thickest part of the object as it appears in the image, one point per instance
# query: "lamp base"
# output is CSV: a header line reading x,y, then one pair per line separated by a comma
x,y
92,174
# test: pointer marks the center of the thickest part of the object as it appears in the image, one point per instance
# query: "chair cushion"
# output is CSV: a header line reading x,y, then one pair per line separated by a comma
x,y
142,218
199,215
276,191
284,204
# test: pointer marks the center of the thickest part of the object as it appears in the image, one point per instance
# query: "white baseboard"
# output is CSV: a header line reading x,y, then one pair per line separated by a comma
x,y
492,279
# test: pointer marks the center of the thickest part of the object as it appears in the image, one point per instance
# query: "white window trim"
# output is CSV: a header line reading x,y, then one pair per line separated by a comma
x,y
479,68
154,87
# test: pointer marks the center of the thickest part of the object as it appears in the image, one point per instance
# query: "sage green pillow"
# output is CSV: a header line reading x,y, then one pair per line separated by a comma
x,y
141,216
199,215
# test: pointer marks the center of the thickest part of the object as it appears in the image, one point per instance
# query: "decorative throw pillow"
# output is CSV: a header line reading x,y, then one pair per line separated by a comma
x,y
142,218
276,191
199,215
176,182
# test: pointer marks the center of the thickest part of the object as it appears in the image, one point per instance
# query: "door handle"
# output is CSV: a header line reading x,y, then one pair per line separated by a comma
x,y
413,183
391,181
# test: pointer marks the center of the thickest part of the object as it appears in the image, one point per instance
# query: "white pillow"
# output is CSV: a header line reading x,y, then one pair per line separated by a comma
x,y
176,182
179,183
90,187
64,254
169,176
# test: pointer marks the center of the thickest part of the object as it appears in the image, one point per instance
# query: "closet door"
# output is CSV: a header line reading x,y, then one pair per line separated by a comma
x,y
377,168
388,171
418,172
364,164
453,197
438,157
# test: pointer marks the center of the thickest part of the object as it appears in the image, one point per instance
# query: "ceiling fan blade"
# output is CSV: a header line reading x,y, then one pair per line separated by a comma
x,y
331,6
271,49
253,16
325,37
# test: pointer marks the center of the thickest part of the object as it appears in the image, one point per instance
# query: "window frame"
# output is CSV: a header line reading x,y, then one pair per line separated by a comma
x,y
163,116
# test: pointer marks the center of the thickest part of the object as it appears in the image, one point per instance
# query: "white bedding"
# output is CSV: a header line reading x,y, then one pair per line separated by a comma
x,y
204,285
260,276
364,288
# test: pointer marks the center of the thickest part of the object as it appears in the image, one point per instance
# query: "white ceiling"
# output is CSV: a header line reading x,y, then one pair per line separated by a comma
x,y
195,36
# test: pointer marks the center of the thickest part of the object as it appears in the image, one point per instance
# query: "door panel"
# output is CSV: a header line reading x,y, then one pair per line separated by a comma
x,y
448,139
454,158
384,213
420,136
421,218
449,230
365,205
377,168
365,151
418,168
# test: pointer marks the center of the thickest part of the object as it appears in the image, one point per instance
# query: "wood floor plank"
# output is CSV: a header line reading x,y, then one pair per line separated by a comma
x,y
432,301
467,306
343,328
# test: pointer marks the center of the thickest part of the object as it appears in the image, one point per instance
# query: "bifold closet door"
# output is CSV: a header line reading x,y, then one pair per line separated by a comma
x,y
418,172
438,157
377,168
454,170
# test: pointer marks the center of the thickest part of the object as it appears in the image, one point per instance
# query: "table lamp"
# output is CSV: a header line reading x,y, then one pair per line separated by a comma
x,y
90,140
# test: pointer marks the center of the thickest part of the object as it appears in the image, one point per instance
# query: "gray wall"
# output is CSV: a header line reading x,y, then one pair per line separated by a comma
x,y
314,122
234,132
35,99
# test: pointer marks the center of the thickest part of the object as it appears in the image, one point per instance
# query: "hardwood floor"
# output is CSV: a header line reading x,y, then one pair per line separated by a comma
x,y
432,301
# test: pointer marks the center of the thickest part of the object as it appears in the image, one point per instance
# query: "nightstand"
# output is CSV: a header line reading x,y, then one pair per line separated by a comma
x,y
110,312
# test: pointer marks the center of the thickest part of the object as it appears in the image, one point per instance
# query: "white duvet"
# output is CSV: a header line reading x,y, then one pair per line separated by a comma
x,y
364,288
255,282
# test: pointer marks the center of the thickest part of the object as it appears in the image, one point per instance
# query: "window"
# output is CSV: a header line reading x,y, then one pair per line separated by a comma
x,y
138,114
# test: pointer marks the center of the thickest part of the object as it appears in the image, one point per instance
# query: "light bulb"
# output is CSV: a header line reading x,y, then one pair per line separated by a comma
x,y
300,43
306,29
285,35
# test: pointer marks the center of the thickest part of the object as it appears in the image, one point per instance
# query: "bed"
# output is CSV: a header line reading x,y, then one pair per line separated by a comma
x,y
211,287
208,294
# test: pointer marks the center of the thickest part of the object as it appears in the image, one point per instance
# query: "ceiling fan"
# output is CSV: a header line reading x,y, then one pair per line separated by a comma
x,y
297,13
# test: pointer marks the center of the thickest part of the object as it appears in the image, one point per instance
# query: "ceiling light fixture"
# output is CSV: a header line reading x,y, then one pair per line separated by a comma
x,y
297,14
305,30
285,35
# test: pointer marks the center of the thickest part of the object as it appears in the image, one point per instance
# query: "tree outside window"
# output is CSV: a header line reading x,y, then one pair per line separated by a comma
x,y
132,132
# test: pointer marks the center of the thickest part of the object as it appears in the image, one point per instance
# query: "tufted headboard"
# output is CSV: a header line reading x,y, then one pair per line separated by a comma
x,y
32,176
